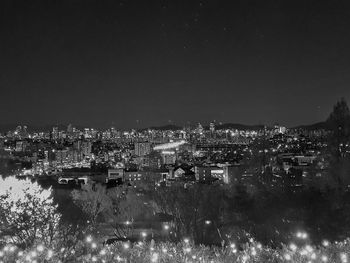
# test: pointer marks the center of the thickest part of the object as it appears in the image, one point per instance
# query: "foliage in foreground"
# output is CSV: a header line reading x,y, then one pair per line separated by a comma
x,y
27,213
90,251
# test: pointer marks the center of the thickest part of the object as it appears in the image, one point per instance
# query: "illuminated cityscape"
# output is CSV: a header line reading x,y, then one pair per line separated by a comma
x,y
158,166
202,153
197,131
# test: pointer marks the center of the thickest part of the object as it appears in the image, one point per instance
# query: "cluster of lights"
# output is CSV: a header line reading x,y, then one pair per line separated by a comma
x,y
308,252
302,235
184,252
10,252
233,247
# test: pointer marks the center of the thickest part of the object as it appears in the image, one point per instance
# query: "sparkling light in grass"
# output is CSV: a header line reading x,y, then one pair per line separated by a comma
x,y
325,243
251,252
154,257
88,239
287,257
49,253
293,247
344,258
187,249
40,248
301,235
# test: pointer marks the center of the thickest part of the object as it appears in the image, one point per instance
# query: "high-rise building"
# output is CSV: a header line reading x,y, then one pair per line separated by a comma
x,y
46,156
199,129
168,157
77,145
24,131
70,128
212,127
142,148
86,148
61,155
55,133
21,146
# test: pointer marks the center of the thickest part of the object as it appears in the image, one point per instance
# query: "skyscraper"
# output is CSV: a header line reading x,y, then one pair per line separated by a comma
x,y
142,148
70,128
212,127
55,133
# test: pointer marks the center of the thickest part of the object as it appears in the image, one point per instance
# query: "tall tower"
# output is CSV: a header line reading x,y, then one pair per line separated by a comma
x,y
212,127
200,128
70,128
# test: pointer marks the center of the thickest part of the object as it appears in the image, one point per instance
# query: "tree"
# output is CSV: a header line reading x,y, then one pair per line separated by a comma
x,y
117,206
27,213
197,212
339,140
339,122
93,200
124,211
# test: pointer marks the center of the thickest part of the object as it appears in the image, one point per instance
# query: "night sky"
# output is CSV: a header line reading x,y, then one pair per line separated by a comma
x,y
143,63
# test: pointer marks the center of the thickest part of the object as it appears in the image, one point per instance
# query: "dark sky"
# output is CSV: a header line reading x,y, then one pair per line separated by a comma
x,y
141,63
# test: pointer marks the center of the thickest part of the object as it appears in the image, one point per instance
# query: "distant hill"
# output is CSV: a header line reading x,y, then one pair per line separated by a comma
x,y
238,126
168,127
218,127
316,126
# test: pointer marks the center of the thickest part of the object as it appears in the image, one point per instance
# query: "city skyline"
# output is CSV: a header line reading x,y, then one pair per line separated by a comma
x,y
136,64
166,126
323,124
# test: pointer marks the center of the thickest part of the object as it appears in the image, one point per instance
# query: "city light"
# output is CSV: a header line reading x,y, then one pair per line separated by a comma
x,y
157,194
167,146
